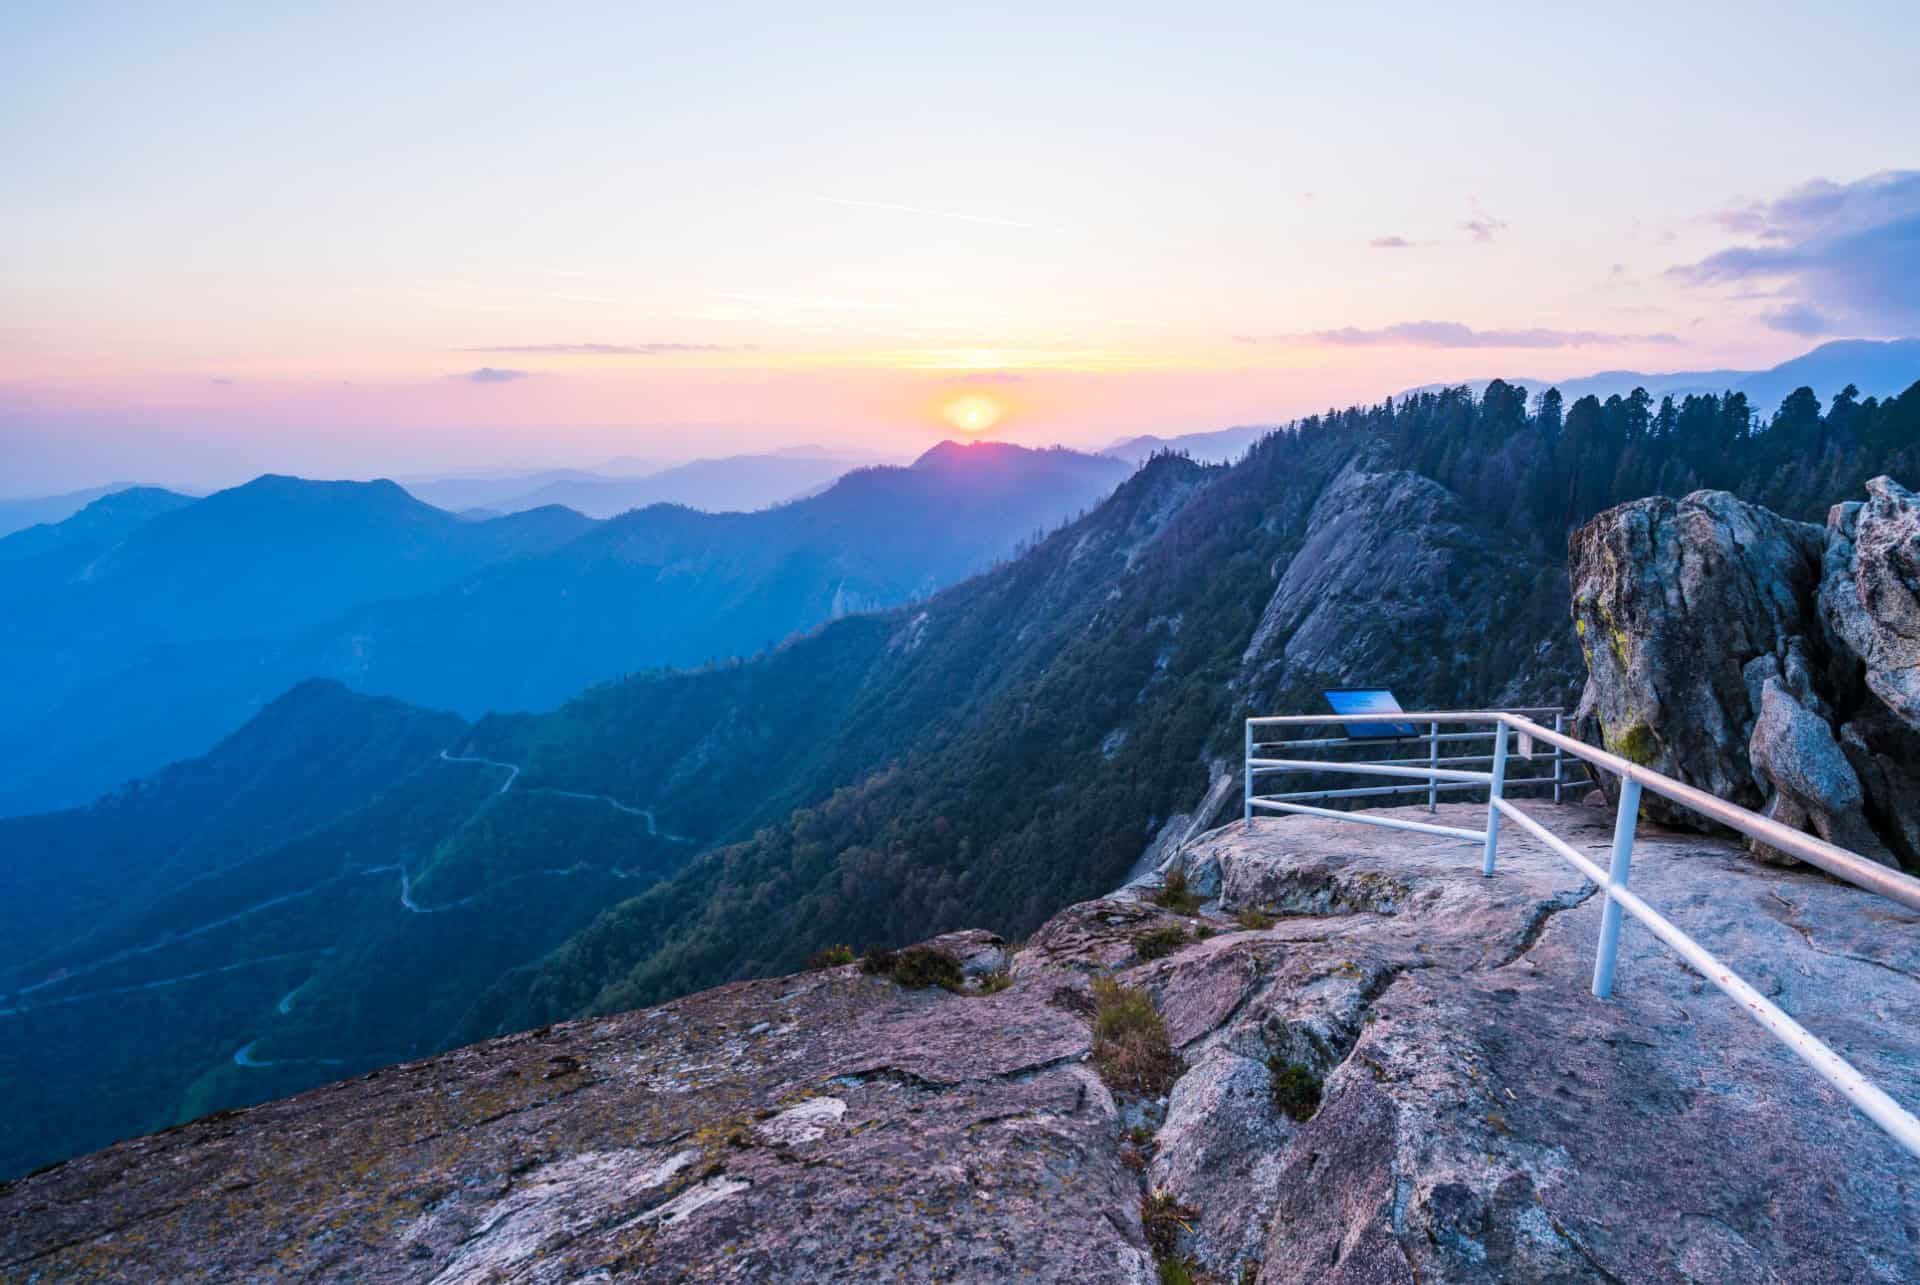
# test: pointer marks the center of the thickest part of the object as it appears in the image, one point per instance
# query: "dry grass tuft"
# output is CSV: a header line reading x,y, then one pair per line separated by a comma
x,y
1130,1046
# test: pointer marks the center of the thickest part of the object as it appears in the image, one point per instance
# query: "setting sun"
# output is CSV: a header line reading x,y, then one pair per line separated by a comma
x,y
973,413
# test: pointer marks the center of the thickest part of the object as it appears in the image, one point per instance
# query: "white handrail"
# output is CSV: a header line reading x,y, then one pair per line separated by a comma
x,y
1896,1120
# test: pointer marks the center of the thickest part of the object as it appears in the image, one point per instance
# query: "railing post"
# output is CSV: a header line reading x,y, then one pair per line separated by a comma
x,y
1624,821
1433,761
1493,796
1559,725
1248,799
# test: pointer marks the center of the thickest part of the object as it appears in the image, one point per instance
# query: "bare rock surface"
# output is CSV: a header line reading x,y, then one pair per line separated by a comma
x,y
1763,660
1480,1117
1673,600
1870,591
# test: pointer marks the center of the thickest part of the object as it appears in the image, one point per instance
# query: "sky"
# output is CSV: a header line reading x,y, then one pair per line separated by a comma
x,y
355,241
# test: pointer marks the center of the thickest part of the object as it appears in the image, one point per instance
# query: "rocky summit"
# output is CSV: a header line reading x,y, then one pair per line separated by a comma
x,y
1312,1051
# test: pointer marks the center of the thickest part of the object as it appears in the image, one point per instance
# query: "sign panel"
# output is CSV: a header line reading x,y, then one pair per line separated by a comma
x,y
1369,701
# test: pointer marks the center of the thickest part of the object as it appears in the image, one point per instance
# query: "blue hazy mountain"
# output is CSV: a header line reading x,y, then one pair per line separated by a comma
x,y
69,543
19,513
1220,446
736,483
178,633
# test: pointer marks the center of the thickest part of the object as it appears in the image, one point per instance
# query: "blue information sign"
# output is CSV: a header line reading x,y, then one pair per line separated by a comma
x,y
1369,701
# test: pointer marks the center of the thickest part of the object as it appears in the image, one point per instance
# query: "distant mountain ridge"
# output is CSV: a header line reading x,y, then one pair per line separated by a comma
x,y
49,510
160,642
737,483
1878,368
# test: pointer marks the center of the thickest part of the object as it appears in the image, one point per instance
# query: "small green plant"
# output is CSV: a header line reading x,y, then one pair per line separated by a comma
x,y
1254,919
1203,931
1130,1045
1163,1219
1178,1271
1140,1136
830,957
916,967
994,983
1158,943
1174,894
1296,1089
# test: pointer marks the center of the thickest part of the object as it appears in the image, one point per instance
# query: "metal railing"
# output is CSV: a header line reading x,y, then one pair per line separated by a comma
x,y
1433,739
1503,725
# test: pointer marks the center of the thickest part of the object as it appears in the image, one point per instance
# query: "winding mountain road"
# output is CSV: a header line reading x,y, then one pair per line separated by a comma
x,y
513,774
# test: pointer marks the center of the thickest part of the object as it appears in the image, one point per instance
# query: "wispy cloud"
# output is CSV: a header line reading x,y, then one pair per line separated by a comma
x,y
491,375
993,377
1391,243
1848,254
923,212
222,380
610,350
1454,334
1480,225
1800,319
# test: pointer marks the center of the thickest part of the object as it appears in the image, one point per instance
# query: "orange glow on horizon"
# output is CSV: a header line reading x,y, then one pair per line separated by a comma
x,y
973,412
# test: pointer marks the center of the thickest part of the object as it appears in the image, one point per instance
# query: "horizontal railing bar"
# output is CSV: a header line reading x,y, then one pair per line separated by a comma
x,y
1408,716
1423,738
1371,769
1836,861
1390,823
1834,1069
1360,791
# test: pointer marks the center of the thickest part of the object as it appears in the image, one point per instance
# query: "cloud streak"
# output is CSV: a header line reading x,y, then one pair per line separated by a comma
x,y
609,350
1846,254
1455,334
1482,226
1391,243
491,375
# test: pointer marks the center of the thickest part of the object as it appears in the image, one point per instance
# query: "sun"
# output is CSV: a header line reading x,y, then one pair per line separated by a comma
x,y
973,413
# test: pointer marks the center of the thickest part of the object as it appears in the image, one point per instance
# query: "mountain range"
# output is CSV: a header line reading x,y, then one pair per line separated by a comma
x,y
349,880
1878,368
152,639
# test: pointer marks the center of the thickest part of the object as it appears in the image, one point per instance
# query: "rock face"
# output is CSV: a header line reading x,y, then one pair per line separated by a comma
x,y
1870,591
1762,660
1480,1116
1390,563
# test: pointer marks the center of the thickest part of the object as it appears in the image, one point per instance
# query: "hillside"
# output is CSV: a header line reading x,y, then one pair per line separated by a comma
x,y
324,892
189,623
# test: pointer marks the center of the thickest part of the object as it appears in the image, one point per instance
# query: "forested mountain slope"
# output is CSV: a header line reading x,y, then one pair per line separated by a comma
x,y
1051,756
172,635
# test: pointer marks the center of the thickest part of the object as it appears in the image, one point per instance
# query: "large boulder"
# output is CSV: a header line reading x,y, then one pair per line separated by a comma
x,y
1763,660
1673,600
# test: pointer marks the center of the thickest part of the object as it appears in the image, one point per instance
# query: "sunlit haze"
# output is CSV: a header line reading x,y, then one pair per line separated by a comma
x,y
354,241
